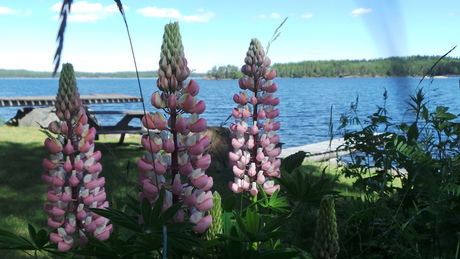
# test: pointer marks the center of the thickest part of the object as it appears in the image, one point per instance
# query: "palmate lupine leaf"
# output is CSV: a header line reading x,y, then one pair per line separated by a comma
x,y
40,241
301,187
273,202
40,238
293,161
11,241
99,249
120,218
276,222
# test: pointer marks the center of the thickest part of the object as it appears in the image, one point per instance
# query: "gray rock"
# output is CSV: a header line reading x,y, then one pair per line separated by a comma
x,y
33,117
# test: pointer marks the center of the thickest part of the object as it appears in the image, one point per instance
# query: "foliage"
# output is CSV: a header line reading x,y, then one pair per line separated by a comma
x,y
224,72
419,217
387,67
36,243
304,191
251,233
145,231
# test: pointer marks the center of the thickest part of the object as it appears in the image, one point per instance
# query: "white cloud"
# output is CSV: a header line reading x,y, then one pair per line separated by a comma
x,y
315,51
85,7
114,8
274,15
160,12
83,18
360,11
56,7
307,15
200,16
270,16
7,10
87,12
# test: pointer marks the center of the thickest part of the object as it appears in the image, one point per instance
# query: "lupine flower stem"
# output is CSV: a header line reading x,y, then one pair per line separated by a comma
x,y
175,159
255,143
73,171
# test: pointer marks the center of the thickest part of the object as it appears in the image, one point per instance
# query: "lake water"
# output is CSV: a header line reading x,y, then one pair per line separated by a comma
x,y
305,102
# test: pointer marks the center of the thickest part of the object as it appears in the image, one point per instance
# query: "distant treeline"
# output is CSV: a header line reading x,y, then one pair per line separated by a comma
x,y
224,72
20,73
387,67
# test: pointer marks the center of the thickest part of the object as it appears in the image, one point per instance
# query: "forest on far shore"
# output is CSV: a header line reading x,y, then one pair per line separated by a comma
x,y
412,66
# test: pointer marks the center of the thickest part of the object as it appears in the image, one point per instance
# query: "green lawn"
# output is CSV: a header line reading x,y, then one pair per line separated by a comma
x,y
22,193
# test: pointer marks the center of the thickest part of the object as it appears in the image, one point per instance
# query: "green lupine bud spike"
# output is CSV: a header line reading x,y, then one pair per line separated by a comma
x,y
67,97
171,58
216,213
326,244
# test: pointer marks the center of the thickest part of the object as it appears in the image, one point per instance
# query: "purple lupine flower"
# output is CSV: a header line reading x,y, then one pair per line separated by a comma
x,y
254,158
73,171
175,159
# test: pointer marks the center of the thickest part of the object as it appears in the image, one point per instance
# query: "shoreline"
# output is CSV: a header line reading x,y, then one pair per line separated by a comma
x,y
210,79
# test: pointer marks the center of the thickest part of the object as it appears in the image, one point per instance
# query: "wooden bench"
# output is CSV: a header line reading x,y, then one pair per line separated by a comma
x,y
122,127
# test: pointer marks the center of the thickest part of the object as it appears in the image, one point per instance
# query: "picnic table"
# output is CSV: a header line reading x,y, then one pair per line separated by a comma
x,y
122,127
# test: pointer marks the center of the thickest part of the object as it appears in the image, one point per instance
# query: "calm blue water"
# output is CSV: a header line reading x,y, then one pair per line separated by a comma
x,y
305,103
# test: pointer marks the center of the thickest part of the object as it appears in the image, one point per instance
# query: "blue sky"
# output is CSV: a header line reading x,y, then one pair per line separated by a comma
x,y
218,32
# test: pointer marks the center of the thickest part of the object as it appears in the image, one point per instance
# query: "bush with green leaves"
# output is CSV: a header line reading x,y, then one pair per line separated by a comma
x,y
410,180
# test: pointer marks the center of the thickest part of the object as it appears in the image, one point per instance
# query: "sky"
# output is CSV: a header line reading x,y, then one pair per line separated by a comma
x,y
218,33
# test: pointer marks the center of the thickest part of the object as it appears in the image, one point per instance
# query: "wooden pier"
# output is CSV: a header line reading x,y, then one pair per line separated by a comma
x,y
48,100
121,127
321,151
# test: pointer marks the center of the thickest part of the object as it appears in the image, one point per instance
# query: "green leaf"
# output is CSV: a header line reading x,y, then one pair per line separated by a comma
x,y
425,113
293,161
171,211
179,226
233,238
227,222
279,253
273,203
120,218
183,241
133,204
240,222
100,249
229,204
252,221
234,246
32,231
146,211
275,223
156,212
41,238
9,240
412,133
288,183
